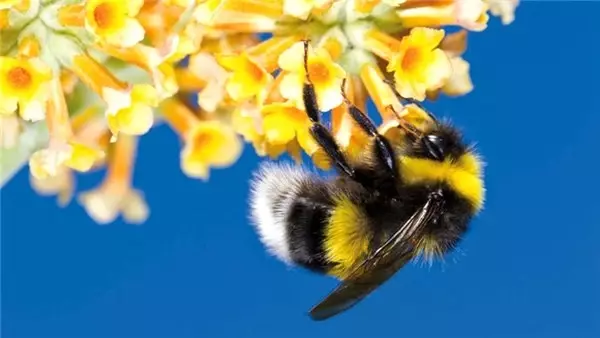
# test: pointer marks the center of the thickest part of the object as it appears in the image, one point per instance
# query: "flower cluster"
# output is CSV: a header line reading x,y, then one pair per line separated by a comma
x,y
82,80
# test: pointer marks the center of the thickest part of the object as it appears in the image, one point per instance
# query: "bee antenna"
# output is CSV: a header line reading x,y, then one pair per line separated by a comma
x,y
409,128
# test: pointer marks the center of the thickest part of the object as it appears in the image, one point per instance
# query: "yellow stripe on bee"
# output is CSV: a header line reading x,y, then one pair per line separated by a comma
x,y
347,237
463,175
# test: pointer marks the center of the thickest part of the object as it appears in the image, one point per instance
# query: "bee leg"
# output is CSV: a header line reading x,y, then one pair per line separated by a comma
x,y
405,101
317,130
384,150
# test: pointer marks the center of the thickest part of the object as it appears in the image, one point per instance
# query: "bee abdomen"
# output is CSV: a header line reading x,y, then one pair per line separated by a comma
x,y
289,214
307,219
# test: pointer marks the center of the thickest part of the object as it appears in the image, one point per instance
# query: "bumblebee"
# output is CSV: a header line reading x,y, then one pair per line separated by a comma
x,y
400,201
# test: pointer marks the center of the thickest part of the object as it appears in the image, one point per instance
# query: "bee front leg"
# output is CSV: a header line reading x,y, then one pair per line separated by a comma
x,y
318,130
383,149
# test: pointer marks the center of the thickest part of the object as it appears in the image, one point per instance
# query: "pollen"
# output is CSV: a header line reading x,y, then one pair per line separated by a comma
x,y
19,77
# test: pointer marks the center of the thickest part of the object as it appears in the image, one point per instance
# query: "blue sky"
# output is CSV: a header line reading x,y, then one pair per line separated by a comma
x,y
530,267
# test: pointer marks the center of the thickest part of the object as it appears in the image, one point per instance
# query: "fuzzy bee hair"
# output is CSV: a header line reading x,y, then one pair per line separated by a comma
x,y
382,210
273,190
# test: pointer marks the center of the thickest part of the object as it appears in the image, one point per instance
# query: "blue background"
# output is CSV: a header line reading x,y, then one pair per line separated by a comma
x,y
529,268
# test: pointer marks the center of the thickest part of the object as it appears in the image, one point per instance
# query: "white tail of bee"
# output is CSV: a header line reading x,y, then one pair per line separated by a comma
x,y
272,192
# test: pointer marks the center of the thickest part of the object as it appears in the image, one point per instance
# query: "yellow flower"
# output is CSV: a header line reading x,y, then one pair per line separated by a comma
x,y
301,9
23,82
153,60
380,92
460,82
326,76
157,18
419,65
349,136
246,120
251,69
208,143
248,78
63,149
94,75
284,123
188,41
114,21
140,54
206,68
469,14
61,184
90,129
115,195
48,162
130,112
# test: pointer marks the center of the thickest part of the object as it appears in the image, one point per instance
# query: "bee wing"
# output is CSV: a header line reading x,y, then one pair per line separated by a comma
x,y
378,267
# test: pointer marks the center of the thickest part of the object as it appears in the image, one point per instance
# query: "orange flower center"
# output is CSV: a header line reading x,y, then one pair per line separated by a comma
x,y
103,15
19,77
318,72
202,141
411,59
254,71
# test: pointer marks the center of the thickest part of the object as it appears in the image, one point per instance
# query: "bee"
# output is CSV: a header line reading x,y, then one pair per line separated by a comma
x,y
400,201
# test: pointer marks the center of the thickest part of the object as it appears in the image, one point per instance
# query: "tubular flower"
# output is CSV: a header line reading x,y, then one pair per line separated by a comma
x,y
58,57
419,65
208,143
286,126
114,21
115,195
459,83
97,75
326,76
130,111
90,129
469,14
64,148
23,82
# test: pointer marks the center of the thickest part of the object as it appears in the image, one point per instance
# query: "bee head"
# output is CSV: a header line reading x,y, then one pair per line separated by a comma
x,y
438,143
438,154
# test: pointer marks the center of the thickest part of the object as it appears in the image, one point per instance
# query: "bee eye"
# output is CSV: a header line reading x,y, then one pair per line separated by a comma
x,y
434,146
